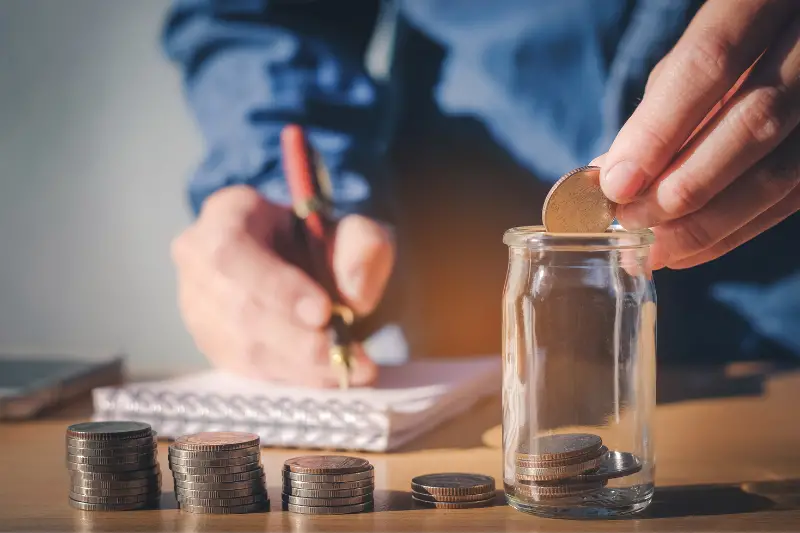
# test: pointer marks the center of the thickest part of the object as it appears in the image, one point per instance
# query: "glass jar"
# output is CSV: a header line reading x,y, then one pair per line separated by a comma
x,y
579,349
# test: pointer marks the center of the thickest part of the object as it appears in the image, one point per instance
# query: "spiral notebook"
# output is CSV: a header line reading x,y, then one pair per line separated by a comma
x,y
406,402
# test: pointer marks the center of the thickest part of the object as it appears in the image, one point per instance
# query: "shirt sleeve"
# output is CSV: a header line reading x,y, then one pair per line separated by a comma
x,y
251,66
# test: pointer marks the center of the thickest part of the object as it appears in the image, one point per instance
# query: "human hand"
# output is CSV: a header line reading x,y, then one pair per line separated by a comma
x,y
248,305
711,156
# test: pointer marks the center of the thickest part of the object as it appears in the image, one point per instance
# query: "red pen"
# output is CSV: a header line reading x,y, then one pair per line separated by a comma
x,y
304,172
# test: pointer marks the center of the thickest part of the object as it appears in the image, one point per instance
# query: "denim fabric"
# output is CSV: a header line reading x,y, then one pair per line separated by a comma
x,y
552,82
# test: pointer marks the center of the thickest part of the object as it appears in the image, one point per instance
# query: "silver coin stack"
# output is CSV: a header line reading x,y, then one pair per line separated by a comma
x,y
453,490
113,466
218,473
327,484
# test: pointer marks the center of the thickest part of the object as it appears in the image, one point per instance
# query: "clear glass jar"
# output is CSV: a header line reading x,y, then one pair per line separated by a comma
x,y
578,362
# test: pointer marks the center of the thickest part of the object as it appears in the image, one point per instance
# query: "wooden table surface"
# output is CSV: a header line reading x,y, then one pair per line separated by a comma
x,y
729,463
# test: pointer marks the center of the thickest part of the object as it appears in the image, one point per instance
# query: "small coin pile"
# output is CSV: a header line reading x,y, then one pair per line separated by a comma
x,y
567,465
112,466
218,473
453,490
327,484
576,204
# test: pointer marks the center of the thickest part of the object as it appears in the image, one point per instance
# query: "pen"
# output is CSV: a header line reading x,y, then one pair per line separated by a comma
x,y
310,191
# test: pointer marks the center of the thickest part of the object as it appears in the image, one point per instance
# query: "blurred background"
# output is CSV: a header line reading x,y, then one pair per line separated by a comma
x,y
93,128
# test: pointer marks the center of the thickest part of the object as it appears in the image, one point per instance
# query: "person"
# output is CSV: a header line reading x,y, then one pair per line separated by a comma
x,y
444,123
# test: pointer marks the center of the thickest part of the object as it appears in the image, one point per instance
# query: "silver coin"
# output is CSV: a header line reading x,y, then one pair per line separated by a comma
x,y
210,455
216,441
560,447
222,502
553,490
217,486
343,509
453,505
613,465
113,452
181,492
214,470
114,500
452,498
79,479
112,469
340,485
85,444
146,458
218,478
232,509
129,491
325,502
346,493
84,506
206,463
109,430
557,472
329,478
127,475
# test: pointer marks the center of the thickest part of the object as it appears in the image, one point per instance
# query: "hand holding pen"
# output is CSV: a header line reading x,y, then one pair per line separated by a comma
x,y
248,301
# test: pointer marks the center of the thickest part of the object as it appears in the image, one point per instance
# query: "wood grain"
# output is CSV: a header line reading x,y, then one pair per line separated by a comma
x,y
724,464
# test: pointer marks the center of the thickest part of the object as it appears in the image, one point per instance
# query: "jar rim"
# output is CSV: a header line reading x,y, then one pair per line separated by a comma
x,y
614,238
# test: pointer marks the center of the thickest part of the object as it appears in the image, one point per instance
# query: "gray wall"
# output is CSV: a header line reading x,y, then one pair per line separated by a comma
x,y
95,147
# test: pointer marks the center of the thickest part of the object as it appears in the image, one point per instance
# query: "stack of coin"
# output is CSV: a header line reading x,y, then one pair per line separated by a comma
x,y
327,484
453,490
218,473
112,466
567,465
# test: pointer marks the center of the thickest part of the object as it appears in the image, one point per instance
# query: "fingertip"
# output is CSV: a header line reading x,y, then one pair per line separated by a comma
x,y
364,370
622,182
313,309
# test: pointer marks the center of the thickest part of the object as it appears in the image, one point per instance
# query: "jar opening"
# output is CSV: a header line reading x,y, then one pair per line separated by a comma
x,y
614,238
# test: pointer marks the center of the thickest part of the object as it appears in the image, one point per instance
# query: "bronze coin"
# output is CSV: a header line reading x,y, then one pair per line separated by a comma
x,y
326,464
453,484
216,441
615,464
576,204
111,430
189,455
558,447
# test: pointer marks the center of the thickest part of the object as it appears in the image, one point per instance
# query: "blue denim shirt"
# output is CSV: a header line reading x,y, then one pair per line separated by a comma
x,y
551,81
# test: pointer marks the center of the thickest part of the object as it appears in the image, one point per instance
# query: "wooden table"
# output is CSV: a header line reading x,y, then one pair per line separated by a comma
x,y
724,464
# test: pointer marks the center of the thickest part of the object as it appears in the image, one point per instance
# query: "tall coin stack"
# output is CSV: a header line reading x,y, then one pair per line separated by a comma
x,y
327,484
112,466
218,473
569,465
453,490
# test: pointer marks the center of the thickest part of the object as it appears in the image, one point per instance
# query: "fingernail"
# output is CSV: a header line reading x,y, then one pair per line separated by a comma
x,y
353,284
632,216
624,181
311,312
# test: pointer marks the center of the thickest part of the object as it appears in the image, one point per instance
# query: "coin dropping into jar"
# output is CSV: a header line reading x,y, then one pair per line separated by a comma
x,y
576,204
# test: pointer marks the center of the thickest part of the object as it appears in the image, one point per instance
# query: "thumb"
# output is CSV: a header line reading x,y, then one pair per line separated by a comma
x,y
363,257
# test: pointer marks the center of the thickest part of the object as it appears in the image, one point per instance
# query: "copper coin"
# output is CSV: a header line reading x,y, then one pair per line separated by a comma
x,y
200,463
557,472
112,430
453,484
326,464
576,204
228,509
614,464
216,441
340,485
342,509
182,455
558,447
329,478
450,498
454,505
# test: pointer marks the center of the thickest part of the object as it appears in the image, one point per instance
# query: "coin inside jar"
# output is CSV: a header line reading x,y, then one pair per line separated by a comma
x,y
576,204
560,447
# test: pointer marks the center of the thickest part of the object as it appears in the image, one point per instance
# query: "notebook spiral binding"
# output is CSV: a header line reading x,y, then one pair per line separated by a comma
x,y
279,422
